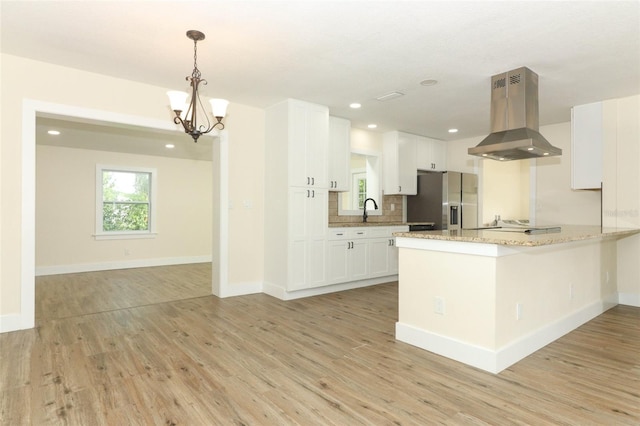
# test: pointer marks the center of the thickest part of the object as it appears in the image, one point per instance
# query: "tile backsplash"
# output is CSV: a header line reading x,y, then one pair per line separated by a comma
x,y
388,215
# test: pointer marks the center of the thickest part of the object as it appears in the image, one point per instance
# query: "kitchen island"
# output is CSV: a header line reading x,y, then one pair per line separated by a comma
x,y
489,298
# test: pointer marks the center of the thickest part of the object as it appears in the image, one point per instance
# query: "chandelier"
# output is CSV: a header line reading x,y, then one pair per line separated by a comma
x,y
192,115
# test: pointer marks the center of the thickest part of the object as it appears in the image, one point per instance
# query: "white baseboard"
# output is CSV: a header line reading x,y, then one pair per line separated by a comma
x,y
630,299
279,292
241,289
126,264
10,322
494,361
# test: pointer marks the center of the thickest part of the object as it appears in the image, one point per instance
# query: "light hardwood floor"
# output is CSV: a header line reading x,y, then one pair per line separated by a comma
x,y
326,360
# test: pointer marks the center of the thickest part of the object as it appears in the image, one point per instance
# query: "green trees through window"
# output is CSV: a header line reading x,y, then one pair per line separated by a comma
x,y
125,201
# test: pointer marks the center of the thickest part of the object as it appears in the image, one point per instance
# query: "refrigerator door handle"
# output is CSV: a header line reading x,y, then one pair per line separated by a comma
x,y
453,215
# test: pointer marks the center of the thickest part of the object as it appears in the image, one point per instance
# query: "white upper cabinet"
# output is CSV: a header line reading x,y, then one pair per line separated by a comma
x,y
308,128
400,167
431,154
586,146
339,152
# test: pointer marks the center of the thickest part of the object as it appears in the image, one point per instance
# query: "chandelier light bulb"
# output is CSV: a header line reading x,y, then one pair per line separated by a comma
x,y
219,107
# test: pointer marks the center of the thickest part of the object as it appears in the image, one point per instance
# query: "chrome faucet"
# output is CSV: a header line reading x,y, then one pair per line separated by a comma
x,y
364,214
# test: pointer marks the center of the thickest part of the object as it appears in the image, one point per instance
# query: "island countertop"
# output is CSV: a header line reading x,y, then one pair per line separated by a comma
x,y
568,233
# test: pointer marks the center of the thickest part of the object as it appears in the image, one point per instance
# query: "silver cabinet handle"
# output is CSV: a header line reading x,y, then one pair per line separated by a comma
x,y
313,181
400,188
307,193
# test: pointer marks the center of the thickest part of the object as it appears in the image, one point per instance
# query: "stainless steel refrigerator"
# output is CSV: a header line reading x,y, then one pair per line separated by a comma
x,y
448,199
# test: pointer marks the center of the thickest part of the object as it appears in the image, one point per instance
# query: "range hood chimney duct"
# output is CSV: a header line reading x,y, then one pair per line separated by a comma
x,y
514,119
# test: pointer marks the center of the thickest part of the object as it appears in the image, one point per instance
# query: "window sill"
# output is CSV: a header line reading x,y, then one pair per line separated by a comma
x,y
124,236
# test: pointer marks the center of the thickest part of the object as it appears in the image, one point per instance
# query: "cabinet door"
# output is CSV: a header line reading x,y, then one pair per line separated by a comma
x,y
339,153
316,263
399,163
337,261
439,155
393,256
317,119
297,123
424,154
307,237
317,212
378,248
407,165
358,260
308,140
586,146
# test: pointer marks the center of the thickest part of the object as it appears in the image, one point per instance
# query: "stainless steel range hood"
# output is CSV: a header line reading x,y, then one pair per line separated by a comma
x,y
514,119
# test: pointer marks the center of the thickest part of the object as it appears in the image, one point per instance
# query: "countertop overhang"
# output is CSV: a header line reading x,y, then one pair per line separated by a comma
x,y
568,233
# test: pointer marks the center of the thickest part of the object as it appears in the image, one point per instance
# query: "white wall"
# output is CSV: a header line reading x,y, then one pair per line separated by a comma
x,y
66,203
556,202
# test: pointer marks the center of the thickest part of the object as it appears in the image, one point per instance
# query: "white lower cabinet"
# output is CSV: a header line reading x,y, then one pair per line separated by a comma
x,y
348,255
360,253
380,256
383,251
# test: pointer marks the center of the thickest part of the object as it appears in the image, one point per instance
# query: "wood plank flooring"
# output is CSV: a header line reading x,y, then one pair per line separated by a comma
x,y
325,360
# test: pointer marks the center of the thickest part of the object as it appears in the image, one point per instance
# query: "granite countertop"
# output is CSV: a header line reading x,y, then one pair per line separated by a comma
x,y
567,234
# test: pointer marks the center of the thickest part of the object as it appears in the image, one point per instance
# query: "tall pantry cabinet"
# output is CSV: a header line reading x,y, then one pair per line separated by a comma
x,y
296,193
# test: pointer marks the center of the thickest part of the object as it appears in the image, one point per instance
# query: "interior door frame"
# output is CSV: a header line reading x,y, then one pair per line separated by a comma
x,y
31,109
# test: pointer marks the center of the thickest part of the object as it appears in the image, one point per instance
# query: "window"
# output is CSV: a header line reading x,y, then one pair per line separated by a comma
x,y
125,202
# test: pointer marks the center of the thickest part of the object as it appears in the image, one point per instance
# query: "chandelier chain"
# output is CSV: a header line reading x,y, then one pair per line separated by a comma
x,y
196,72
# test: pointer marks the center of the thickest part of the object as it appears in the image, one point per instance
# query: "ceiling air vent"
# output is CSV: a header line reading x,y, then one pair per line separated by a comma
x,y
390,96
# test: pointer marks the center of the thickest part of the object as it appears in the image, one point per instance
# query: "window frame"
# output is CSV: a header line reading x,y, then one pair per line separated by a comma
x,y
100,234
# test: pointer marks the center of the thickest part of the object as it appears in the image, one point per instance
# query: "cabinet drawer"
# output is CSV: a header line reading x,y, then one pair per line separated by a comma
x,y
338,234
357,233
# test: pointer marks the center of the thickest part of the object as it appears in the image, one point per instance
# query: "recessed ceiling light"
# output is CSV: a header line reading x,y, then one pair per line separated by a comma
x,y
429,82
453,130
546,153
53,132
355,105
169,145
372,126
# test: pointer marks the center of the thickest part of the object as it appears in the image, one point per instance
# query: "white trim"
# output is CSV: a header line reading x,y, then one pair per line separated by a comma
x,y
496,361
466,353
221,287
629,299
241,289
118,264
28,210
281,293
125,236
30,109
10,322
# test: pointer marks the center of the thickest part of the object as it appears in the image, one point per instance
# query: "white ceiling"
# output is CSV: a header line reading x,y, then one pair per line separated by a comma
x,y
337,52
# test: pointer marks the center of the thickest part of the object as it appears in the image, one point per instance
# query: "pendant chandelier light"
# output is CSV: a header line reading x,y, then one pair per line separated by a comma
x,y
192,115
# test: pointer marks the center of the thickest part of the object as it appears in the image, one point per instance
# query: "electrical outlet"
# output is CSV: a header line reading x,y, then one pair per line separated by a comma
x,y
127,252
393,207
518,311
607,275
438,305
